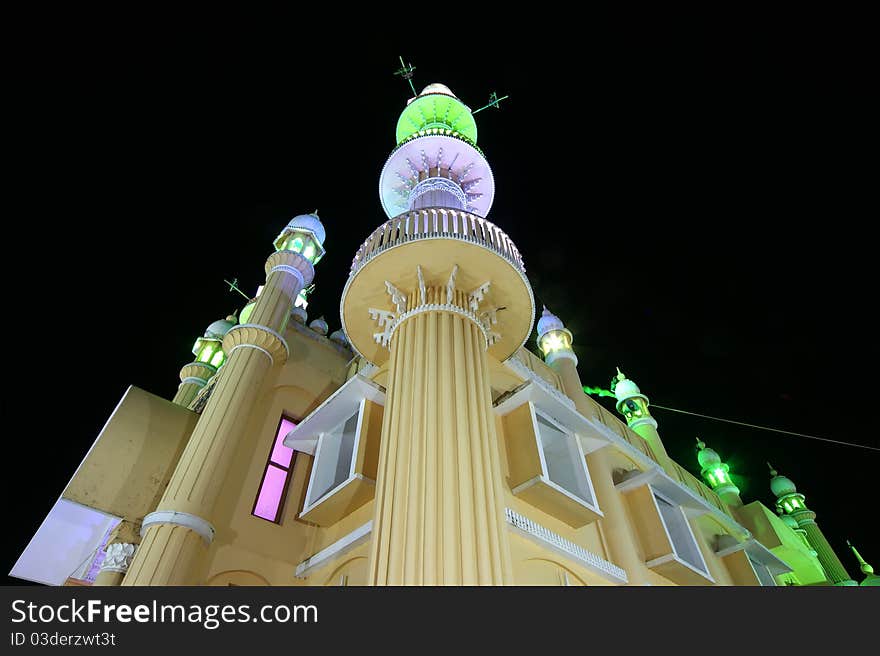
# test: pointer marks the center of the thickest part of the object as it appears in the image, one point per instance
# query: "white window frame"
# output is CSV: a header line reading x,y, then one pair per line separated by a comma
x,y
352,475
545,471
704,572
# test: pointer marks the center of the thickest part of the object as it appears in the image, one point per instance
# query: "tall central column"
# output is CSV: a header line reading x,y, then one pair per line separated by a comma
x,y
439,498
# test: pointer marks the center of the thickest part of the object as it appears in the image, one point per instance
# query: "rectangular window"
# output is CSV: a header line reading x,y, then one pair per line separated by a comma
x,y
680,534
276,476
565,464
334,459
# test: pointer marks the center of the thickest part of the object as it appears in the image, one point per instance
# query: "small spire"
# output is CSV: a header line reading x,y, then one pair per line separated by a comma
x,y
865,567
315,213
773,472
700,444
620,374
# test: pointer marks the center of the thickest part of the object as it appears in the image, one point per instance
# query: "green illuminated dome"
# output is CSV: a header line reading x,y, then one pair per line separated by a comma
x,y
707,458
781,485
436,108
623,387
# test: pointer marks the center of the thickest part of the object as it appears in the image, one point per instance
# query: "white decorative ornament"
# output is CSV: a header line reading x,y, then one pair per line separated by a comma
x,y
385,319
422,294
397,296
118,558
476,296
450,286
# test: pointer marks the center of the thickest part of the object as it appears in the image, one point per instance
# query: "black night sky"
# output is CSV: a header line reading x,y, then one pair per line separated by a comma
x,y
692,205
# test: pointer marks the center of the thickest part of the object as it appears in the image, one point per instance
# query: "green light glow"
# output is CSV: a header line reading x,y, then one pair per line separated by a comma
x,y
295,245
720,475
436,111
207,352
598,391
246,312
218,358
309,252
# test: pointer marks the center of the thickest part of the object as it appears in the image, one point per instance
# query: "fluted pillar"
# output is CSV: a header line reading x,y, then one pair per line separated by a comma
x,y
834,569
120,549
439,501
177,535
193,377
616,530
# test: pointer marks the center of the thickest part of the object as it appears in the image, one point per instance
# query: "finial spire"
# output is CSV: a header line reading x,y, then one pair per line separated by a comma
x,y
620,374
865,567
773,472
700,444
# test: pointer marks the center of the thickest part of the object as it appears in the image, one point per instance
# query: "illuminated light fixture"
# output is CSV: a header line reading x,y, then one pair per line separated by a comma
x,y
304,234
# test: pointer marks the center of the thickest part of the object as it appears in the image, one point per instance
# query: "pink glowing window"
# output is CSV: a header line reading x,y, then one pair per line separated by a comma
x,y
270,498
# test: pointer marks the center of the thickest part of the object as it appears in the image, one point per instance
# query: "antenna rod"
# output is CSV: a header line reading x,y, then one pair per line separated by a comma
x,y
406,72
493,102
234,285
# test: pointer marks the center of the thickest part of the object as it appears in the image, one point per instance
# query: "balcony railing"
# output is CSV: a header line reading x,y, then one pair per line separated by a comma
x,y
437,223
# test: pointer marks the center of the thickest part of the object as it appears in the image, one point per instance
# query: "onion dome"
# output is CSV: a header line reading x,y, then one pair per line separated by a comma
x,y
338,336
319,326
623,387
708,458
299,315
789,521
780,485
309,222
219,328
548,322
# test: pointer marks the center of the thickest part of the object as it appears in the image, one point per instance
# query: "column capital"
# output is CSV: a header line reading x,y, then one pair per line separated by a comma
x,y
293,263
261,338
197,370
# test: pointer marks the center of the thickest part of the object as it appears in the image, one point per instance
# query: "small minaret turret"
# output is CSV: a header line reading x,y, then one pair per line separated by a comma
x,y
717,475
176,536
867,570
208,350
633,405
554,339
791,502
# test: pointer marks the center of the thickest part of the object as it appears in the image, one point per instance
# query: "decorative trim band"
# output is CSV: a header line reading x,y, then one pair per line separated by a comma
x,y
440,307
201,382
253,346
201,526
342,545
566,354
288,269
265,329
523,370
548,538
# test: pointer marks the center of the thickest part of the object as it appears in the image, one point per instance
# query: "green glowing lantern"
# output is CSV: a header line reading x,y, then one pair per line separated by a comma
x,y
305,235
715,472
208,349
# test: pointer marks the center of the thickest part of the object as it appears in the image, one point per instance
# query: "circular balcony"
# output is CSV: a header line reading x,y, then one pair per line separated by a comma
x,y
437,223
436,247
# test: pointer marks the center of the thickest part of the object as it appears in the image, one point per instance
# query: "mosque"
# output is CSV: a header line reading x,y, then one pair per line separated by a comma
x,y
423,443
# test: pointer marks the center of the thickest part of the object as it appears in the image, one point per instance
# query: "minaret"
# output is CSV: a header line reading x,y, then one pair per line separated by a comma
x,y
555,342
633,405
433,294
208,350
871,579
791,502
176,536
717,475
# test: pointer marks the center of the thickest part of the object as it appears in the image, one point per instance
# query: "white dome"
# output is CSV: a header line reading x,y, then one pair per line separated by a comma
x,y
319,326
548,322
339,337
309,222
782,486
219,328
626,389
436,87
